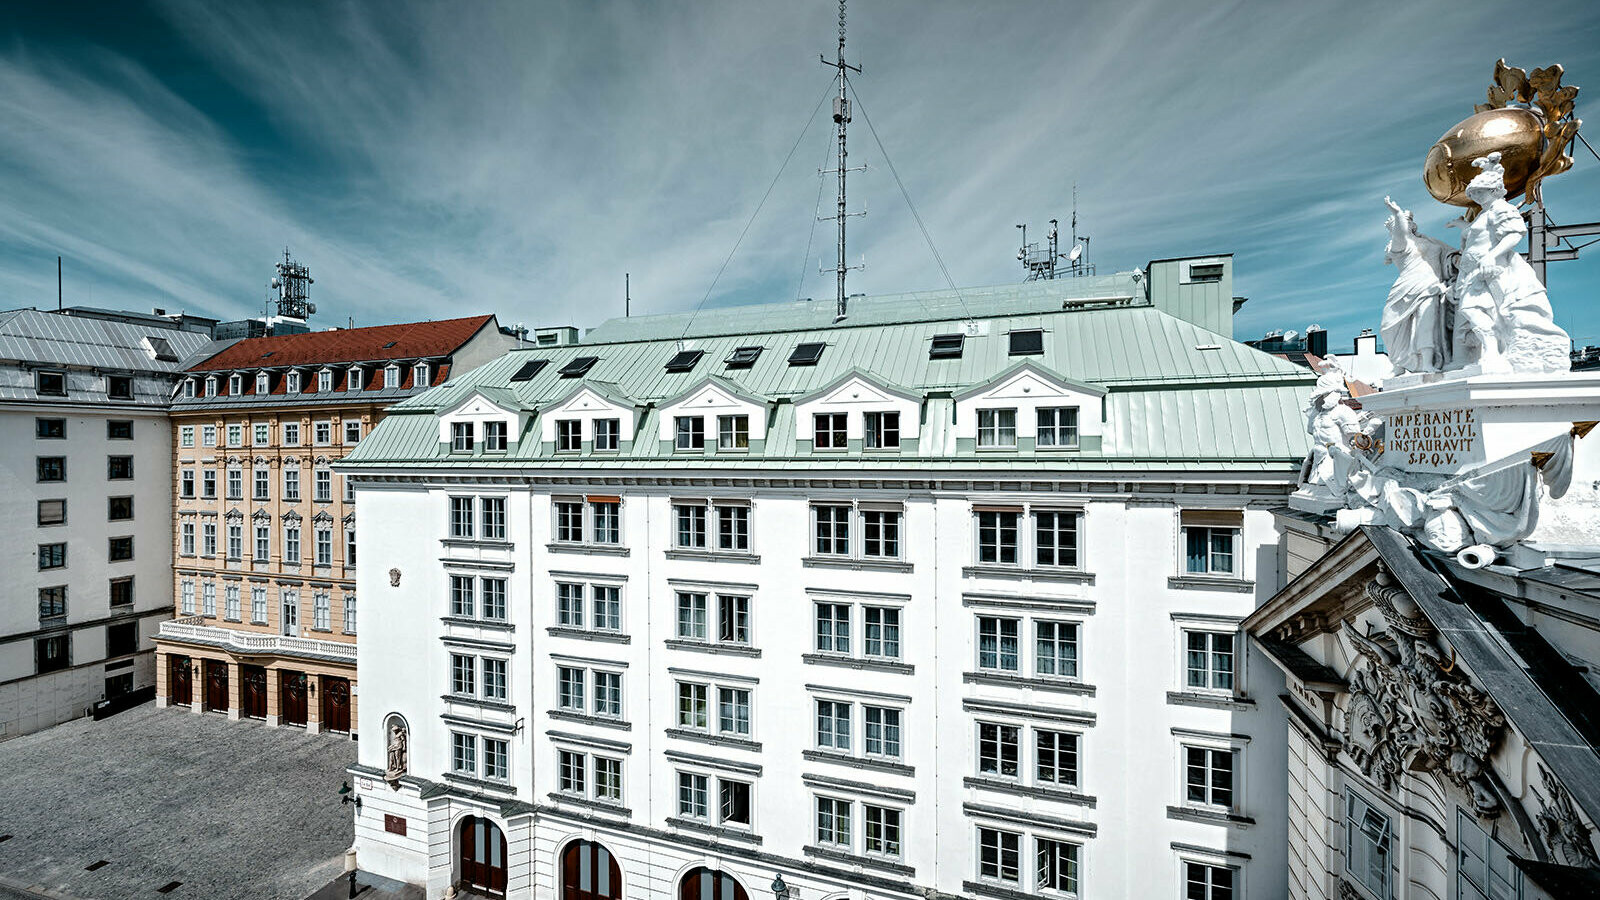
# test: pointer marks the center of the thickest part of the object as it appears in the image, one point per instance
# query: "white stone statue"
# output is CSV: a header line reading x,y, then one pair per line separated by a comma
x,y
398,758
1413,325
1502,311
1332,424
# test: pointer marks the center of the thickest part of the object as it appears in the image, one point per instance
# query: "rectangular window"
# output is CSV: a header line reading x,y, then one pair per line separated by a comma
x,y
570,688
833,822
1207,882
186,484
881,731
569,435
263,542
1208,660
50,429
208,435
260,434
882,431
691,616
208,484
208,600
691,531
325,380
463,675
1026,342
607,607
258,605
997,643
733,432
52,468
1483,864
461,437
999,856
494,679
608,694
463,597
607,434
291,545
235,484
998,749
53,512
51,384
496,759
1058,865
291,485
570,770
186,601
733,619
1056,539
997,428
880,534
291,434
997,536
608,779
569,522
569,605
324,538
1055,649
119,549
352,432
322,486
349,489
52,602
606,515
235,434
733,528
881,631
690,433
692,795
461,524
733,711
119,430
833,628
492,516
185,436
1210,549
882,829
833,725
1056,757
208,540
1058,427
349,611
1368,840
463,753
186,545
1208,777
829,432
119,467
734,805
494,598
321,611
261,483
832,530
117,509
230,602
494,437
52,653
693,706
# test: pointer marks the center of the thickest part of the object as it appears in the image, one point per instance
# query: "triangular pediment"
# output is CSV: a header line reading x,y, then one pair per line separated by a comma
x,y
857,386
1028,380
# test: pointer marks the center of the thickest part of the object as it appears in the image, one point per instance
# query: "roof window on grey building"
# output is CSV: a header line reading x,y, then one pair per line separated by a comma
x,y
1027,343
579,367
530,369
806,354
946,346
160,349
684,360
51,384
744,357
119,387
1203,272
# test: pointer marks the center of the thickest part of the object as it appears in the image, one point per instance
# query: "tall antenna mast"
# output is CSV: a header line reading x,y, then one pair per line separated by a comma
x,y
841,116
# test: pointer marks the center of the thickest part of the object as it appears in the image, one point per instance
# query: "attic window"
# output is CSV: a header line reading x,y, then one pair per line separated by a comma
x,y
1027,343
744,357
946,346
684,360
530,369
806,354
390,344
1202,272
579,367
160,350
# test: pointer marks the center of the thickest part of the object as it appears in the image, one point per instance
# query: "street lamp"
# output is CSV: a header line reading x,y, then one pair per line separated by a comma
x,y
780,889
348,796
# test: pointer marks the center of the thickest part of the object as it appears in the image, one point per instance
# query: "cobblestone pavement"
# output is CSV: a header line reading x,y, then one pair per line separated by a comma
x,y
229,809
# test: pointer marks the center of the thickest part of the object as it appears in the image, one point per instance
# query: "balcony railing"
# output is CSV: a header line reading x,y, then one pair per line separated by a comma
x,y
190,628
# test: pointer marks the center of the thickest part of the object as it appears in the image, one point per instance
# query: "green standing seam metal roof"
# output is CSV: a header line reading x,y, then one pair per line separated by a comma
x,y
1176,394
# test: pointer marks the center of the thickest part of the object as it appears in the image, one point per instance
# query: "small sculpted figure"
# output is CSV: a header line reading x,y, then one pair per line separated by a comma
x,y
1413,325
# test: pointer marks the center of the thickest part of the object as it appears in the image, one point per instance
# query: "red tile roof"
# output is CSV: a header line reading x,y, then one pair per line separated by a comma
x,y
410,340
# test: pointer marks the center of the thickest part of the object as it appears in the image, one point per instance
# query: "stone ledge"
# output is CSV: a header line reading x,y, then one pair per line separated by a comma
x,y
857,662
589,549
856,762
583,634
1211,583
732,834
854,860
1020,573
856,564
1033,791
729,556
715,740
1061,686
1214,701
1209,817
569,716
712,647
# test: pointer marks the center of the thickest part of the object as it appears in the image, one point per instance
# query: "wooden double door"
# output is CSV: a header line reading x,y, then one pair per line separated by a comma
x,y
216,678
483,856
253,692
589,872
180,680
335,704
292,697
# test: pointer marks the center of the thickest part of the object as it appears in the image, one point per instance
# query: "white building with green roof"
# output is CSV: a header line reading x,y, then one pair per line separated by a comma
x,y
941,599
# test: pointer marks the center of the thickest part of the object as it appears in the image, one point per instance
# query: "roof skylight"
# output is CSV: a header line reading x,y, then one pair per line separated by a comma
x,y
684,360
530,369
579,366
806,354
744,357
946,346
1027,343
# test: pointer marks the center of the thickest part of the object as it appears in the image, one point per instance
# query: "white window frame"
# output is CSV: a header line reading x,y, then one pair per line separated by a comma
x,y
992,428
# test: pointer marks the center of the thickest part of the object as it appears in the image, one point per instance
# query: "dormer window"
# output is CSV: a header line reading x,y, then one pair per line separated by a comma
x,y
391,376
494,437
236,384
263,383
325,380
828,432
461,437
690,433
419,375
882,431
684,360
293,385
997,428
119,387
188,388
211,386
569,435
352,381
1058,427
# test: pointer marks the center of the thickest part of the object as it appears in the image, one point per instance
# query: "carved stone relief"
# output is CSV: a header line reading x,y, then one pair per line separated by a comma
x,y
1563,832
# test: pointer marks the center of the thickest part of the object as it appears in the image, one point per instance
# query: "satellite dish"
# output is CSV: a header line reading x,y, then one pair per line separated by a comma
x,y
1290,335
276,283
1311,328
311,309
1077,252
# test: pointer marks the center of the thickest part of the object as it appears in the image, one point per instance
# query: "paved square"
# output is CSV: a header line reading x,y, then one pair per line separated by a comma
x,y
230,809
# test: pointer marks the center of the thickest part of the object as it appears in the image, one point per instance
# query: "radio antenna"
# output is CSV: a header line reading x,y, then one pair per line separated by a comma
x,y
841,117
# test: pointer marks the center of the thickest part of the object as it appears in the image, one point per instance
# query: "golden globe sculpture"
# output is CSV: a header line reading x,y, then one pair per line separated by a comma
x,y
1528,121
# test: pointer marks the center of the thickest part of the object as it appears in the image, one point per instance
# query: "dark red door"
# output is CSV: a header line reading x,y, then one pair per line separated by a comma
x,y
292,697
483,856
710,884
253,692
216,685
335,704
180,680
589,872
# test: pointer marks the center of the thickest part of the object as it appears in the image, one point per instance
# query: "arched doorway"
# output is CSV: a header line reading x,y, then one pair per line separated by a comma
x,y
483,856
710,884
589,872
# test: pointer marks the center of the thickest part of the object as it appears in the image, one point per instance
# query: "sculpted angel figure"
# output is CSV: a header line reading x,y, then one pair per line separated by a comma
x,y
1331,424
1503,312
1413,323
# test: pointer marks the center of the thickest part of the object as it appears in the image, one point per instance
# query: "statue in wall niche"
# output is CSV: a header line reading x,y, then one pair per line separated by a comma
x,y
1414,318
398,753
1411,710
1563,832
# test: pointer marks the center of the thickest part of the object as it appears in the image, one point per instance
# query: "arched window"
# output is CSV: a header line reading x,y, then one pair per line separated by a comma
x,y
483,856
589,872
710,884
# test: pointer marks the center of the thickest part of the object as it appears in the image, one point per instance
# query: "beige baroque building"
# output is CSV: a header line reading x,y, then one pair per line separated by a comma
x,y
264,559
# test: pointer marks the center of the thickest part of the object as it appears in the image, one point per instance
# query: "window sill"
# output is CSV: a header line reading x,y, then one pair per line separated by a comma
x,y
599,806
872,862
1209,816
732,556
716,649
1019,573
498,786
856,762
464,700
1004,786
997,891
588,549
492,624
732,834
567,715
852,662
1212,583
854,563
241,622
1062,686
1214,701
581,634
715,740
468,543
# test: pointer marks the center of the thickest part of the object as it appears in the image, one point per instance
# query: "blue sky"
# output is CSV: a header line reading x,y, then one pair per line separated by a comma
x,y
429,160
